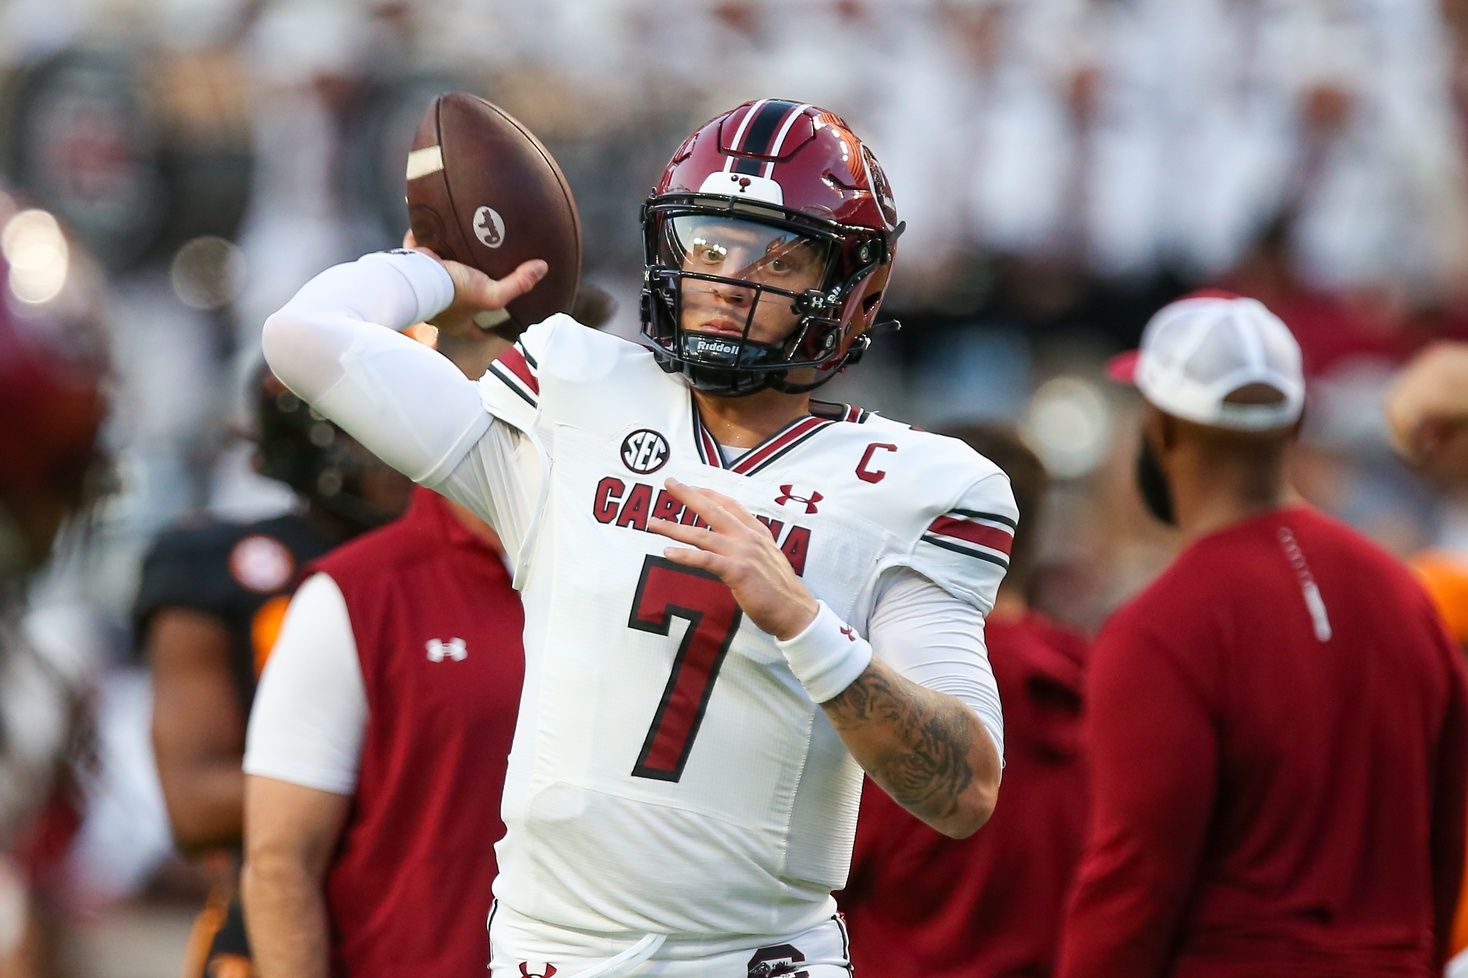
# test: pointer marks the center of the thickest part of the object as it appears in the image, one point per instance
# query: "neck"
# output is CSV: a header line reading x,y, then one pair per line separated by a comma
x,y
328,524
743,422
474,525
1211,492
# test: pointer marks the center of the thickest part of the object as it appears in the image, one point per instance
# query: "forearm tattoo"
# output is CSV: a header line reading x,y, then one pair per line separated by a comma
x,y
930,769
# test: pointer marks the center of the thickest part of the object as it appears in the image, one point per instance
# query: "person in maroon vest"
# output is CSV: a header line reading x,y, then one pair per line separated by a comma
x,y
988,905
377,747
1277,728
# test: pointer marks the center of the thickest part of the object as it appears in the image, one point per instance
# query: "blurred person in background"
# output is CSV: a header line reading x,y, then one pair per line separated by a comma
x,y
1427,419
377,747
357,814
1277,728
53,402
210,600
991,904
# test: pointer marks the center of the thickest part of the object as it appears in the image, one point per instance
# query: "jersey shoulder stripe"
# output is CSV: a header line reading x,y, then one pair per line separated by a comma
x,y
518,371
987,536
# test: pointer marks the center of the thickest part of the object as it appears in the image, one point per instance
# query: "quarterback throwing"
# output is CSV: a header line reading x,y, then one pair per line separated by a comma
x,y
737,598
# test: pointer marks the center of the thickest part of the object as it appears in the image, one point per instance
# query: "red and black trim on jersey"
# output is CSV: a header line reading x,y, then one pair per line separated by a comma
x,y
708,449
777,446
518,371
987,536
836,411
760,136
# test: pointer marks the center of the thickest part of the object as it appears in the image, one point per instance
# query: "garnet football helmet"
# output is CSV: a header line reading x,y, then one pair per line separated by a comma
x,y
320,461
791,190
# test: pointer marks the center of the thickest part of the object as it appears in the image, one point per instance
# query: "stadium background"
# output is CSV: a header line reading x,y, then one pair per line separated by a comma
x,y
1064,166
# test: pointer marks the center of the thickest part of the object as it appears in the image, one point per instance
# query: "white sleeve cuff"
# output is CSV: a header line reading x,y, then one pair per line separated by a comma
x,y
430,281
310,712
828,656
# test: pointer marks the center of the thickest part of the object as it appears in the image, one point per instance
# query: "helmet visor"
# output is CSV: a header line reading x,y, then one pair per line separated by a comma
x,y
776,258
746,281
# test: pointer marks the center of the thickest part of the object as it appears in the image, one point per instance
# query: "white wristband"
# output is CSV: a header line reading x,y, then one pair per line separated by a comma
x,y
430,281
828,656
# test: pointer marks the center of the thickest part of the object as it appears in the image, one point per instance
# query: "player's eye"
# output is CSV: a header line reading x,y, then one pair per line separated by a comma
x,y
787,258
709,252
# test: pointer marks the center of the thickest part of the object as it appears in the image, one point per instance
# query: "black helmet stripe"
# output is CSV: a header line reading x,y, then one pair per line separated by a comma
x,y
758,132
785,127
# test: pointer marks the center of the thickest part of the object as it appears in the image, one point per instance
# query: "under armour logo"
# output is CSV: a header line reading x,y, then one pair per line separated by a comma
x,y
787,495
439,650
847,631
525,971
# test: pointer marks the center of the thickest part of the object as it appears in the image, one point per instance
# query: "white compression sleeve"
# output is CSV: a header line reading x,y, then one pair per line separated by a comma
x,y
335,343
937,641
310,712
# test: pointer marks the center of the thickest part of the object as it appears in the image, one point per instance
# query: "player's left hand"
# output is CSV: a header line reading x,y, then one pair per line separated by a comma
x,y
741,552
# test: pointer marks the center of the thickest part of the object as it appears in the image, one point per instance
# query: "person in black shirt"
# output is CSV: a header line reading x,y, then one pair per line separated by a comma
x,y
209,603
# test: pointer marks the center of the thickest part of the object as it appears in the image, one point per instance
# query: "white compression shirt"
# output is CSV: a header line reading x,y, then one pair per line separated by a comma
x,y
310,711
337,345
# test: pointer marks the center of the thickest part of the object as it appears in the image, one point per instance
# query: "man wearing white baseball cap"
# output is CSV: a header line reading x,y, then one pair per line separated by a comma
x,y
1278,725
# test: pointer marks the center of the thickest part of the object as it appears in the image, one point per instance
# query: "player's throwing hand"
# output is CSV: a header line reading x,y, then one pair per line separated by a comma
x,y
476,294
740,551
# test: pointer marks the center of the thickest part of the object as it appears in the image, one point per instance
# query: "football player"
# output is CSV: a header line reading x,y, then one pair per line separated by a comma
x,y
53,402
737,598
209,604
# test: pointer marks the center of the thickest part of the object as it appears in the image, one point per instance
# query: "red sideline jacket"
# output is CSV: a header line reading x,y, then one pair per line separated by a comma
x,y
438,632
1277,740
988,906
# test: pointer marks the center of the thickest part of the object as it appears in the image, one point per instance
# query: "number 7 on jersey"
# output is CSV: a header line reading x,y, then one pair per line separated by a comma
x,y
667,591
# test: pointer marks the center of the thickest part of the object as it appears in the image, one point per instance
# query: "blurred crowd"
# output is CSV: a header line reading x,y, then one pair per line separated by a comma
x,y
1065,167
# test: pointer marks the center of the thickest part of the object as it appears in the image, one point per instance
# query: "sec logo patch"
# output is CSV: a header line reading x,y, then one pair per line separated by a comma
x,y
645,451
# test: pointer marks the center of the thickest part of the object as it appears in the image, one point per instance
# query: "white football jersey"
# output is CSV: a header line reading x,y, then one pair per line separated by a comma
x,y
669,773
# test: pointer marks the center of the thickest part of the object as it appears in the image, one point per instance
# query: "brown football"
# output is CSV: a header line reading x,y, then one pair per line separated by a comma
x,y
482,190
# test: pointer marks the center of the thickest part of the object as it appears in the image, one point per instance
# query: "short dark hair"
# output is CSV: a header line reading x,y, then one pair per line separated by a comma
x,y
1003,445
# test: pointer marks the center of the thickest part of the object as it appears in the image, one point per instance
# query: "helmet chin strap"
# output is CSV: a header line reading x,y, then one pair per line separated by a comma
x,y
738,380
733,379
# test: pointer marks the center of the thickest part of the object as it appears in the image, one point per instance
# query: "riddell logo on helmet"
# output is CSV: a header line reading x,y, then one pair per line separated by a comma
x,y
714,347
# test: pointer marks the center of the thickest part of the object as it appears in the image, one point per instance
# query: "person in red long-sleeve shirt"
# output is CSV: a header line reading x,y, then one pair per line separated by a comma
x,y
988,905
1277,728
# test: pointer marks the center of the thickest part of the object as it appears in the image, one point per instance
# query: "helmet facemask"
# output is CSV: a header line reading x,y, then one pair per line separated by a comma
x,y
740,295
321,462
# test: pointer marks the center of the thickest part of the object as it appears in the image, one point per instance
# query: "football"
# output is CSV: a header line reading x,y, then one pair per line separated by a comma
x,y
483,191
